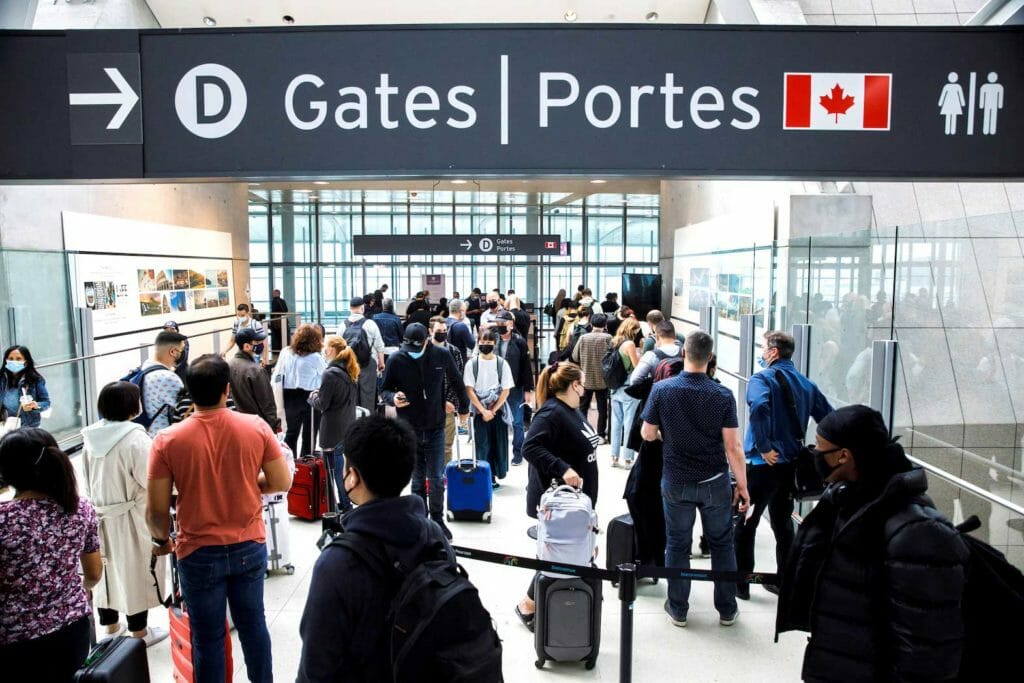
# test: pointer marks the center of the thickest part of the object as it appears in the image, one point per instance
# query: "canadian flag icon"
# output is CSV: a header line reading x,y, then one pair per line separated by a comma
x,y
551,245
834,101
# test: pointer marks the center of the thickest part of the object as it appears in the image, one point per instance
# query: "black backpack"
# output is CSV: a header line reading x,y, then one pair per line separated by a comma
x,y
438,628
992,603
355,337
138,378
613,368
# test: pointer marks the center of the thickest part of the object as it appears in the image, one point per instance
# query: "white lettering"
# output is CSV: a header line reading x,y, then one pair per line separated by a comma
x,y
384,91
412,106
588,106
634,103
670,90
746,107
319,106
359,107
464,107
696,106
546,101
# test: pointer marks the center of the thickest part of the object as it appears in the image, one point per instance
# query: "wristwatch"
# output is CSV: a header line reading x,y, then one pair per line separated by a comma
x,y
158,542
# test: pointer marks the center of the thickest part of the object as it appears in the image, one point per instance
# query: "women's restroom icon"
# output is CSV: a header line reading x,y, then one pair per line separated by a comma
x,y
990,101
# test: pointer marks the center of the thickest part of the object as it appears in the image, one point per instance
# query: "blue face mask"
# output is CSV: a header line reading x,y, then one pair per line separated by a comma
x,y
15,366
762,362
416,355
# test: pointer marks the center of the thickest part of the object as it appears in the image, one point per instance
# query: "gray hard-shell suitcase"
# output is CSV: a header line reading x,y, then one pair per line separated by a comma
x,y
116,660
567,626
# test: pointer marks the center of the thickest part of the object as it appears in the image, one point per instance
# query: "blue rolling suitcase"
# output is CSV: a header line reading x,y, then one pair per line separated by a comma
x,y
469,488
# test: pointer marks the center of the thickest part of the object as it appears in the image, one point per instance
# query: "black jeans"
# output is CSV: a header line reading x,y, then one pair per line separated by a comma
x,y
136,622
771,488
602,409
300,417
53,657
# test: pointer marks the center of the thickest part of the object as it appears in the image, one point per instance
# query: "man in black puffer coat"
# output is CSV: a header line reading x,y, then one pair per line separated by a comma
x,y
875,574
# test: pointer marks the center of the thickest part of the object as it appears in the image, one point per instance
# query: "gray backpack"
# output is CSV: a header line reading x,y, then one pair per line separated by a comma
x,y
566,527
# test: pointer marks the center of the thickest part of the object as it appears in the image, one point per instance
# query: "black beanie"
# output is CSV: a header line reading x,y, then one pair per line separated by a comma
x,y
862,431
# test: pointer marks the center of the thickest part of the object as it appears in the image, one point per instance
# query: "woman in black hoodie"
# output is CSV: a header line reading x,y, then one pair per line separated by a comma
x,y
875,573
336,400
561,445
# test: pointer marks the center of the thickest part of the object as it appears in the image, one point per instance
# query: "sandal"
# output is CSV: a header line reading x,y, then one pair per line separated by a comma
x,y
527,619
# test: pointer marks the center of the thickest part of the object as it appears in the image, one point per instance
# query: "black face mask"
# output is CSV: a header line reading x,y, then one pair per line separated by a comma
x,y
821,465
486,349
440,337
492,305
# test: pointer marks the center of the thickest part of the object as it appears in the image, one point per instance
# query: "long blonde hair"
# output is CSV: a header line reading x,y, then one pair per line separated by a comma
x,y
556,378
344,355
627,331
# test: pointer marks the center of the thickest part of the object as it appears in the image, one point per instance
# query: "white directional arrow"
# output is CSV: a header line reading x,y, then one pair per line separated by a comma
x,y
467,245
124,96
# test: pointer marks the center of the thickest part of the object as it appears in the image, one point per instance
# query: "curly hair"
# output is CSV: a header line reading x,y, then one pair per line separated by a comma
x,y
307,340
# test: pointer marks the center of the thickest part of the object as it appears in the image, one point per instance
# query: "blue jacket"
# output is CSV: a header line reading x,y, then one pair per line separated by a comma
x,y
390,326
37,391
460,336
770,426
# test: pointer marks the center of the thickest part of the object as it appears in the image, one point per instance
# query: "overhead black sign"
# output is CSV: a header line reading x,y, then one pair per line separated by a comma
x,y
491,100
444,245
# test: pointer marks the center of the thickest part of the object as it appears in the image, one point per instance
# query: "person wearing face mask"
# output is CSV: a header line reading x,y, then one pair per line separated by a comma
x,y
876,573
336,399
245,319
513,348
23,391
250,385
343,626
160,384
490,315
439,339
561,445
414,384
171,326
488,380
781,401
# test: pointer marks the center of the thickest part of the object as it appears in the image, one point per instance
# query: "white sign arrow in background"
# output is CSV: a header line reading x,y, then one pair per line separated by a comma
x,y
125,96
467,245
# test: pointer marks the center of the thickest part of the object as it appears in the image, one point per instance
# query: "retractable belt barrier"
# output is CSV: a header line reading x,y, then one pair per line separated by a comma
x,y
626,575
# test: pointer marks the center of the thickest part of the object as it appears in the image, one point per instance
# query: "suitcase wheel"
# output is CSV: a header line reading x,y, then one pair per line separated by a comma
x,y
590,664
487,517
449,516
290,569
539,664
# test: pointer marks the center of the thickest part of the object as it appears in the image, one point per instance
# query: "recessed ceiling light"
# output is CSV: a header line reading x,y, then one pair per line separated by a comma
x,y
319,182
652,16
254,184
598,181
459,182
288,19
300,190
570,15
209,21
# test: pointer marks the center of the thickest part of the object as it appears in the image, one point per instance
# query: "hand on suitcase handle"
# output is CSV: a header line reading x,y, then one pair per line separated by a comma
x,y
572,478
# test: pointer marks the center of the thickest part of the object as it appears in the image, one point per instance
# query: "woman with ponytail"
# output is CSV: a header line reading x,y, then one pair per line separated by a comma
x,y
336,400
875,574
47,534
561,445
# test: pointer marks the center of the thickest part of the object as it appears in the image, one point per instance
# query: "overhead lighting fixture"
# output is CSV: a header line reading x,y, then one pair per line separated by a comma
x,y
459,182
570,15
598,181
288,19
301,190
652,16
254,184
319,182
209,21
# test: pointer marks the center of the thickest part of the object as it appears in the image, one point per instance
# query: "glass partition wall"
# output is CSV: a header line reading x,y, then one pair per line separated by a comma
x,y
303,245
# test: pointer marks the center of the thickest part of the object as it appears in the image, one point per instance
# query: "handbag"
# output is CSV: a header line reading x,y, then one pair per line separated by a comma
x,y
807,483
9,424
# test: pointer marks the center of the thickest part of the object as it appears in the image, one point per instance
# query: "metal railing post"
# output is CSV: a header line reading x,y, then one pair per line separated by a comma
x,y
89,390
882,394
627,597
709,321
802,354
748,333
143,353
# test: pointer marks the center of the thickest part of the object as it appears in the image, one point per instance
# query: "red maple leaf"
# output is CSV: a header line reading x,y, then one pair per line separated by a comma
x,y
836,103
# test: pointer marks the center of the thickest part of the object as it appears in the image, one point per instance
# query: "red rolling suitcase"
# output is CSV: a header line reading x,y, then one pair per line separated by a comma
x,y
307,497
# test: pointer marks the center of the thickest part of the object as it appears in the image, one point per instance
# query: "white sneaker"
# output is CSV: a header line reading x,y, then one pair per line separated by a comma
x,y
121,628
154,635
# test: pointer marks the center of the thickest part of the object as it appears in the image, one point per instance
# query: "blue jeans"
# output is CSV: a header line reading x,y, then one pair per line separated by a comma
x,y
231,574
714,500
338,465
623,414
516,396
429,470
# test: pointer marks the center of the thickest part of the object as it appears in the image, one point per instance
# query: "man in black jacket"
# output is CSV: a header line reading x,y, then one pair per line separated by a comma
x,y
514,349
414,384
250,385
343,628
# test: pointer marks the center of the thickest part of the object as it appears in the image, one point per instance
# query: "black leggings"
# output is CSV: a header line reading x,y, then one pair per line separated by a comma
x,y
297,414
136,622
54,657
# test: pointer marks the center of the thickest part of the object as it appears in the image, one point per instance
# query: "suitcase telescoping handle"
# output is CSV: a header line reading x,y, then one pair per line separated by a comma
x,y
458,448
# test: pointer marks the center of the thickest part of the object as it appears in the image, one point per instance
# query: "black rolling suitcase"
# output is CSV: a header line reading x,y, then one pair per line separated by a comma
x,y
622,544
567,626
116,660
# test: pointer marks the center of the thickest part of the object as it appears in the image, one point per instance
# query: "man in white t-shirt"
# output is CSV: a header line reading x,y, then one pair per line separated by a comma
x,y
488,381
245,320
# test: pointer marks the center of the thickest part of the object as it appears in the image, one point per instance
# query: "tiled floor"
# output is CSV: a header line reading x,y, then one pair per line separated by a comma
x,y
704,651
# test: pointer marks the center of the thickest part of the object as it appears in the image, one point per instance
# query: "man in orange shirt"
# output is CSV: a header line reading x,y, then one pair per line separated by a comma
x,y
220,462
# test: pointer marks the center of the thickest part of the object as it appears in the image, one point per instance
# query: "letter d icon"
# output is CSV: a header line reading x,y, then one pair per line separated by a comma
x,y
210,101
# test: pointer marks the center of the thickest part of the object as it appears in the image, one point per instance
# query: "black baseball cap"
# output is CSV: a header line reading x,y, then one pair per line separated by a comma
x,y
171,324
504,315
415,337
247,335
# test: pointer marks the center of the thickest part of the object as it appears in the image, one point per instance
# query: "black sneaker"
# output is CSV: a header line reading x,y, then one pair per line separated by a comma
x,y
517,461
444,527
743,591
771,588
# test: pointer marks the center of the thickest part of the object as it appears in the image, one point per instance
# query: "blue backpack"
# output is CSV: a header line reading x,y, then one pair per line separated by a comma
x,y
138,378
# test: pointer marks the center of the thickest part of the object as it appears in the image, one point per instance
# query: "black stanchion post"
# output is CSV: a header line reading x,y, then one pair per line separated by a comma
x,y
627,596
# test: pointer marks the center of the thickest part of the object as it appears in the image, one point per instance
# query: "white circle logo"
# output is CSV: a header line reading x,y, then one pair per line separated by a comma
x,y
486,244
210,101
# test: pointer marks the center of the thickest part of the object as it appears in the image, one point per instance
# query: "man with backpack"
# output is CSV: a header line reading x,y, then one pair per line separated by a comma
x,y
513,347
158,382
361,609
363,336
667,347
781,400
589,354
